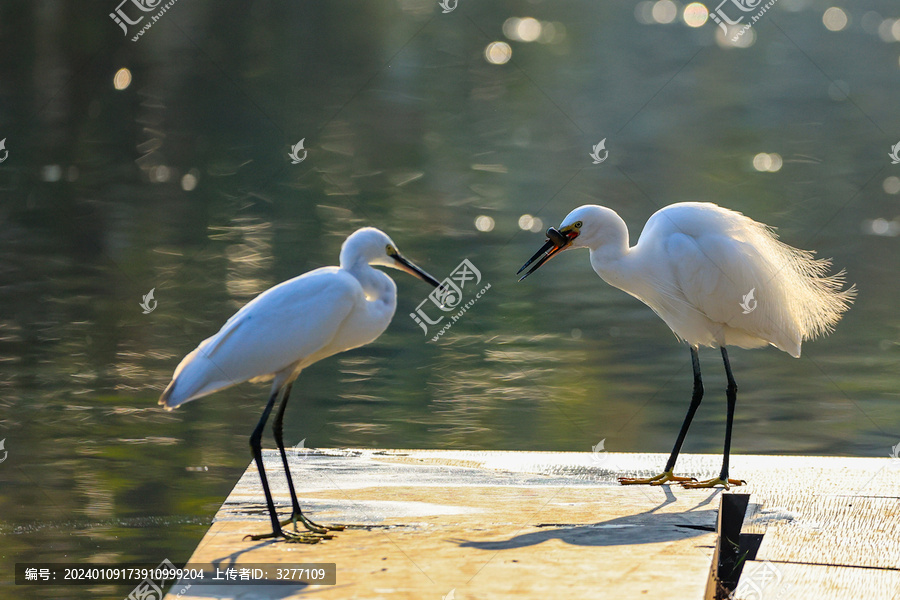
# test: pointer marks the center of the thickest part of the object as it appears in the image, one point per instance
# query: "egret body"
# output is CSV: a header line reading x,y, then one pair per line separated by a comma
x,y
289,327
717,278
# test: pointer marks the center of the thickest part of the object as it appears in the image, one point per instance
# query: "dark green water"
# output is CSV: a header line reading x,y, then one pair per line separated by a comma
x,y
407,128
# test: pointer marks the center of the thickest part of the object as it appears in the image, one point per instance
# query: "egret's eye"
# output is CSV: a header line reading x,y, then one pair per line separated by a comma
x,y
578,225
390,250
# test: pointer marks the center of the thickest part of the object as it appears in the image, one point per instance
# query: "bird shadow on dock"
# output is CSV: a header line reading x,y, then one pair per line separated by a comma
x,y
228,590
641,528
231,591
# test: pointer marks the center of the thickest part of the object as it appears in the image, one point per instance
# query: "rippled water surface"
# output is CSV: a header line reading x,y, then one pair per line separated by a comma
x,y
181,182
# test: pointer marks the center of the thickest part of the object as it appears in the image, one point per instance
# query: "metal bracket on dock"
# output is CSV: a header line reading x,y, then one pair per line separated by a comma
x,y
732,548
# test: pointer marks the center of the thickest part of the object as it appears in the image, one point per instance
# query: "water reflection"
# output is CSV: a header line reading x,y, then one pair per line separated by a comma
x,y
181,182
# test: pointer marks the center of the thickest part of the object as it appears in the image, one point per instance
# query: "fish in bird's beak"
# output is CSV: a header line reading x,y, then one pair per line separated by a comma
x,y
406,265
557,241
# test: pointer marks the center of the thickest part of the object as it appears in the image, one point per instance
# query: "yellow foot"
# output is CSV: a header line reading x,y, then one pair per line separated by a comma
x,y
662,478
314,527
290,537
305,538
711,483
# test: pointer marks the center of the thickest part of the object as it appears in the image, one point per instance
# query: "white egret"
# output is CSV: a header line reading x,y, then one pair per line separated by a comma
x,y
717,278
289,327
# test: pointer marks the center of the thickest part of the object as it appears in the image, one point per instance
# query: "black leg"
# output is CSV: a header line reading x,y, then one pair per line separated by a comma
x,y
667,475
296,512
696,397
256,450
731,395
277,433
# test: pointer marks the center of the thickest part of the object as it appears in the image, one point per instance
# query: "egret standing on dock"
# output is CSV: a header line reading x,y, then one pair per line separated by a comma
x,y
717,278
289,327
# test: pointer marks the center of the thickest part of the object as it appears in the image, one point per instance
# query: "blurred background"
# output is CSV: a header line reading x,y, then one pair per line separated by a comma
x,y
163,163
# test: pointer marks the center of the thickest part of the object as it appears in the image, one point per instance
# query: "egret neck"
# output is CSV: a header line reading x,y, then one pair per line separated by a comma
x,y
379,288
611,256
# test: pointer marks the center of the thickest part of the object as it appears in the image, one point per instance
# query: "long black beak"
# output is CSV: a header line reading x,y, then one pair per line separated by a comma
x,y
412,269
556,242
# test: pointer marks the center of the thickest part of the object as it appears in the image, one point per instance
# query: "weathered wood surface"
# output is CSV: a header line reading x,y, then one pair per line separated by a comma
x,y
832,533
795,581
496,524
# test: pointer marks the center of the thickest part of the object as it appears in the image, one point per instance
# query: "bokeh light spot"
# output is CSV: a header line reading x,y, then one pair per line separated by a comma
x,y
189,181
122,79
834,19
664,11
765,162
528,29
525,222
484,223
159,174
695,14
737,37
498,53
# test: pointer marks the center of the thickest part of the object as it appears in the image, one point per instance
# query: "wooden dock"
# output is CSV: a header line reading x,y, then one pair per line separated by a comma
x,y
458,525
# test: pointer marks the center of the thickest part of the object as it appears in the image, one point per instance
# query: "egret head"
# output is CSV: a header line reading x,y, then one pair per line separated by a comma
x,y
584,227
374,247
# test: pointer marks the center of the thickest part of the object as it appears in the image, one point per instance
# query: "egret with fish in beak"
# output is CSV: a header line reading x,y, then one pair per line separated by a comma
x,y
692,265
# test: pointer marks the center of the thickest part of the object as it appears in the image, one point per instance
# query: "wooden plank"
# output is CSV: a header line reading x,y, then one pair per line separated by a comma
x,y
829,532
843,530
536,524
485,533
763,580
